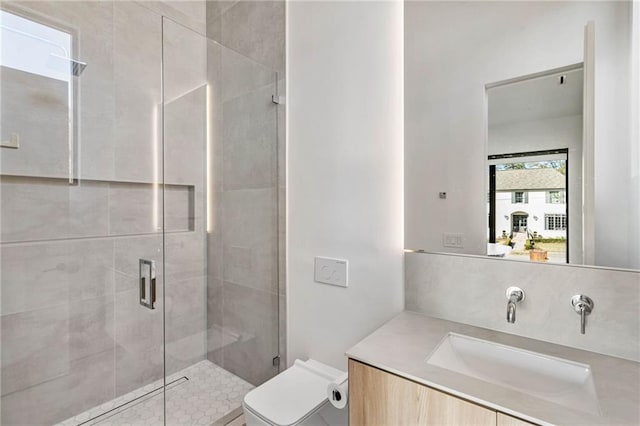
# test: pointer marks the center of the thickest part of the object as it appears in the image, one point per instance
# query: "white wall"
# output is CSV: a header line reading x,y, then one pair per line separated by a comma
x,y
345,171
452,50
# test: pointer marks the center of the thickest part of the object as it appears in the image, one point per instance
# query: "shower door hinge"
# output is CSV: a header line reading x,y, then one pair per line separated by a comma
x,y
276,361
278,100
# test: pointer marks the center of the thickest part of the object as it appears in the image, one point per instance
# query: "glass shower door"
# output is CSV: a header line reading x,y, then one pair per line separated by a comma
x,y
138,218
81,206
221,289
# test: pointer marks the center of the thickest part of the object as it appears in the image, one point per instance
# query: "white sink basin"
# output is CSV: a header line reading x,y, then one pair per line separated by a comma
x,y
553,379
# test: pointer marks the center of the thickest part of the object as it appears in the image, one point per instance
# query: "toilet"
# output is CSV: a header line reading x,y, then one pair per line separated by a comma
x,y
297,396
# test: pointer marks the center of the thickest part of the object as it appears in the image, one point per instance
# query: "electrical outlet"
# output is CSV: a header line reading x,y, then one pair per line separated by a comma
x,y
452,240
331,271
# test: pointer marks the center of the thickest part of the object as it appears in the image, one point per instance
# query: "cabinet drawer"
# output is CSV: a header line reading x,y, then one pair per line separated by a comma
x,y
380,398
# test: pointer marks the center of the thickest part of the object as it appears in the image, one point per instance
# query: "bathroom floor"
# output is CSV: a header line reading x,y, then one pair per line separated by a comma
x,y
209,394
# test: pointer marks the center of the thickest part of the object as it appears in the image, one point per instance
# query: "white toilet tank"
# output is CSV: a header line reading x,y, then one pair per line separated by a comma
x,y
297,396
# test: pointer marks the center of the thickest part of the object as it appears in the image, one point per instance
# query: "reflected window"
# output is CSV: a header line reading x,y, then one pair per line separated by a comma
x,y
555,197
519,197
527,203
555,222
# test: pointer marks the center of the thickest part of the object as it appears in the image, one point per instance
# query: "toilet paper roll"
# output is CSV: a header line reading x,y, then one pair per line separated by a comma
x,y
338,391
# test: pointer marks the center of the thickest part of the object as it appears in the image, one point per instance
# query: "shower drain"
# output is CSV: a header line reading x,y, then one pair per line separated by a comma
x,y
135,401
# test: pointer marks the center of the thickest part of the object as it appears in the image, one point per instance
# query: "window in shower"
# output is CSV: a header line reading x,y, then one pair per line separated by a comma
x,y
49,48
38,55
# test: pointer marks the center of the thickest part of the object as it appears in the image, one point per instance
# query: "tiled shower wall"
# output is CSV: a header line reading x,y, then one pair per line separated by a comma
x,y
73,332
246,291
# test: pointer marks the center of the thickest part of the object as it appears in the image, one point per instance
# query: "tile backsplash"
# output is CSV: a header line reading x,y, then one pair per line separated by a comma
x,y
471,290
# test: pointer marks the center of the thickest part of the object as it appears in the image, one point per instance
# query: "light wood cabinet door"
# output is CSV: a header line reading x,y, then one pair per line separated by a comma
x,y
380,398
505,420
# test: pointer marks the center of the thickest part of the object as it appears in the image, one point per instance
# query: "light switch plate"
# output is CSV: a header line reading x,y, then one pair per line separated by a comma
x,y
331,271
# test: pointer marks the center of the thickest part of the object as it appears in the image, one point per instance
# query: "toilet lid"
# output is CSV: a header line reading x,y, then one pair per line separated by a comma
x,y
292,395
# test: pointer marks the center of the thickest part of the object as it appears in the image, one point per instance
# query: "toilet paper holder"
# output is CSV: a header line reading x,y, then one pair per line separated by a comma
x,y
338,391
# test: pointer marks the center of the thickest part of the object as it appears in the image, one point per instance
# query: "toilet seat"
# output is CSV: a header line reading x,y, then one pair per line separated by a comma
x,y
293,395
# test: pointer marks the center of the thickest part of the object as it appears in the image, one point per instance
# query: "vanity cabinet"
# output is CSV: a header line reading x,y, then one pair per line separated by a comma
x,y
504,420
380,398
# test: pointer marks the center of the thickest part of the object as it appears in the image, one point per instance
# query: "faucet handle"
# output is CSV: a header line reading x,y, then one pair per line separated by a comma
x,y
583,305
516,292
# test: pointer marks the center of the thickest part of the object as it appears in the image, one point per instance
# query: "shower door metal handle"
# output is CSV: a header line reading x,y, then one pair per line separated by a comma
x,y
147,275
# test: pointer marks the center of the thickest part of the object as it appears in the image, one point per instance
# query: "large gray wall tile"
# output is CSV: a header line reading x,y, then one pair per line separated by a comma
x,y
35,347
184,60
214,254
253,315
240,75
137,55
250,238
185,313
250,140
215,117
191,14
137,144
256,29
91,327
89,382
185,137
43,209
185,256
214,302
195,10
135,208
40,209
139,341
36,276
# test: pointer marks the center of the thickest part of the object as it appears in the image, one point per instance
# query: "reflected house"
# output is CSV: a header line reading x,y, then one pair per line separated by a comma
x,y
531,200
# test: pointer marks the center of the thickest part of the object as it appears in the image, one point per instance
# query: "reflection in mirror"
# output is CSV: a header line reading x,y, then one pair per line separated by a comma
x,y
521,130
535,199
40,124
520,195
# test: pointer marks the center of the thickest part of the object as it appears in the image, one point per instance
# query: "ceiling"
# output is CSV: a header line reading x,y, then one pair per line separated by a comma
x,y
535,99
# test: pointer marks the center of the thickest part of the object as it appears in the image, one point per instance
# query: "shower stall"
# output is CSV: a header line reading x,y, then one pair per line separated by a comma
x,y
139,218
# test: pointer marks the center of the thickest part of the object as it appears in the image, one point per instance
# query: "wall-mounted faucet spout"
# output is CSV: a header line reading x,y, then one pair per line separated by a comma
x,y
511,310
514,295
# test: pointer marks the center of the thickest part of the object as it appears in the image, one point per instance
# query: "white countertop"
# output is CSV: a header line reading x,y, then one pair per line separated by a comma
x,y
403,345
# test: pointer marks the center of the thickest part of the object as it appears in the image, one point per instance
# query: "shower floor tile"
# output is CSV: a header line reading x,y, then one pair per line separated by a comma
x,y
209,393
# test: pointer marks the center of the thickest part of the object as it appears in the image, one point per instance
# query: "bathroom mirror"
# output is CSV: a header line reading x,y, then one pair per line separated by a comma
x,y
535,140
521,135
